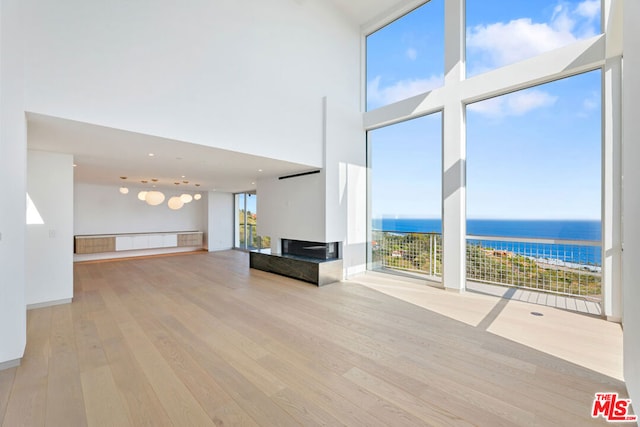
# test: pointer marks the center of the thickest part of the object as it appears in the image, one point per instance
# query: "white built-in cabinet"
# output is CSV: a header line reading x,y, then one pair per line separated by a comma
x,y
129,242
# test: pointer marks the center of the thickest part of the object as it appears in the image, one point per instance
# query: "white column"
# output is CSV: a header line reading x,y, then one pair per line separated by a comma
x,y
13,176
631,201
454,152
612,190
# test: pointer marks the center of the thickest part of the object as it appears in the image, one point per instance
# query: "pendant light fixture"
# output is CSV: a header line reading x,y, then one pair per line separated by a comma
x,y
123,189
175,203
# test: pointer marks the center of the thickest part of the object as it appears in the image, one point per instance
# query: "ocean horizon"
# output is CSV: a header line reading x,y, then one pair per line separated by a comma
x,y
569,229
590,230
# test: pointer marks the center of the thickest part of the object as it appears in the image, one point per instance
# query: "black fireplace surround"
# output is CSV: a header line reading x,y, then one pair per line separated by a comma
x,y
305,249
313,262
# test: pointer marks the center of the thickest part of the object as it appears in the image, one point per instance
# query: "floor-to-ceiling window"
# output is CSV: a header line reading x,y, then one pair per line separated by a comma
x,y
246,232
534,160
405,161
522,109
406,58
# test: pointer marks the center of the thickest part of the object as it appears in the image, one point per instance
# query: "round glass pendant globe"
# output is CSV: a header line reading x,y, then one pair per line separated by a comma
x,y
124,190
175,203
142,195
197,196
186,198
154,198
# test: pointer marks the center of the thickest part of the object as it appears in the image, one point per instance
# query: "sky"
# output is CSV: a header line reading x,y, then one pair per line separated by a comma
x,y
251,202
532,154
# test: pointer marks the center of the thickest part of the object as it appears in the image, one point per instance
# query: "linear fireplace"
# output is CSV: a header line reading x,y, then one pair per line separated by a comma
x,y
315,250
314,262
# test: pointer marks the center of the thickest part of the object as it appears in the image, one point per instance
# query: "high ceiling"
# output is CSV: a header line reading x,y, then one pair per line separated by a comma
x,y
103,154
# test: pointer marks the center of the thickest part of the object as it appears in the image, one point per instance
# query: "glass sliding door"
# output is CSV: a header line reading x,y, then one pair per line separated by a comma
x,y
246,235
240,228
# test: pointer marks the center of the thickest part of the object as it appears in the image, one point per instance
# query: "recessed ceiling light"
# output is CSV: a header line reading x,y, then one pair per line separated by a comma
x,y
183,176
259,170
74,165
253,183
151,154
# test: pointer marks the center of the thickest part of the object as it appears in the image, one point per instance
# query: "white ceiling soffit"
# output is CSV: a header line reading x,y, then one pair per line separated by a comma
x,y
373,14
103,155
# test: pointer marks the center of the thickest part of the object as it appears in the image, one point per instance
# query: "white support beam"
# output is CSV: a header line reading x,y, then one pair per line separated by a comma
x,y
612,162
579,57
631,201
454,193
612,190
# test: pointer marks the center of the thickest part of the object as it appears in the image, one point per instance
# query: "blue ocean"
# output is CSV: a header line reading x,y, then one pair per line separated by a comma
x,y
545,229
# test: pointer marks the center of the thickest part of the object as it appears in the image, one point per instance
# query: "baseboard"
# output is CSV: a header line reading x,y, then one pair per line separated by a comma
x,y
49,303
220,249
10,364
130,254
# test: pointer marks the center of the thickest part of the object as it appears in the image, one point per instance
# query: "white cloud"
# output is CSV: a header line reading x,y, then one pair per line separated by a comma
x,y
378,95
412,54
514,104
589,104
589,9
492,107
523,102
516,40
503,43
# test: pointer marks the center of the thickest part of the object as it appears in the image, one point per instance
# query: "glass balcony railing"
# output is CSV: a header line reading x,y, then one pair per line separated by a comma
x,y
249,238
563,267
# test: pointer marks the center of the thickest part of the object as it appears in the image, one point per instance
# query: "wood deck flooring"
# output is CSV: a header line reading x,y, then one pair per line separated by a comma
x,y
203,340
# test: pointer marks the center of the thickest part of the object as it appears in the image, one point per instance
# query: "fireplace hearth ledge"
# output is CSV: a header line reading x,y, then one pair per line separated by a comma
x,y
317,271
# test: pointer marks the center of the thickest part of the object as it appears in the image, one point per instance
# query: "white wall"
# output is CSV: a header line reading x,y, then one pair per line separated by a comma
x,y
49,261
13,172
631,202
329,206
245,75
220,221
100,209
346,182
291,208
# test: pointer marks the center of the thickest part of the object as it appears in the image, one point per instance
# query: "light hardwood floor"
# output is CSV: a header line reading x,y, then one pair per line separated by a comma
x,y
203,340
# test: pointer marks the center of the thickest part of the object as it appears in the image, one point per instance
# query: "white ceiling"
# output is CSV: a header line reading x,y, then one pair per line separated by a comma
x,y
365,11
103,155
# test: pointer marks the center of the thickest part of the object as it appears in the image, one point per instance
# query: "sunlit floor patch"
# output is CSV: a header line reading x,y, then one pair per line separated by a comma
x,y
588,341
